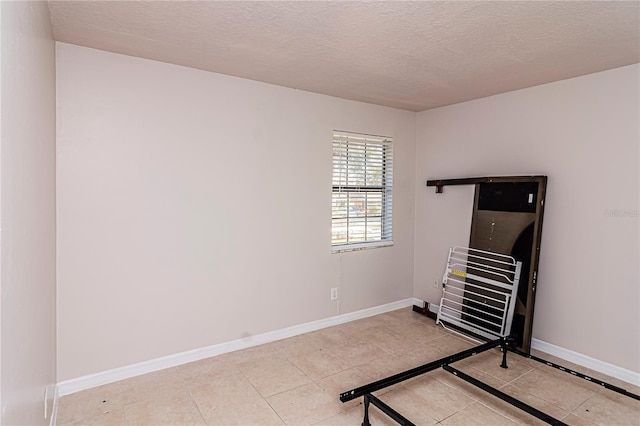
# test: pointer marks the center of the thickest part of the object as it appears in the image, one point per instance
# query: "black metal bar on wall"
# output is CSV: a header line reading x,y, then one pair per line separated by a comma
x,y
439,183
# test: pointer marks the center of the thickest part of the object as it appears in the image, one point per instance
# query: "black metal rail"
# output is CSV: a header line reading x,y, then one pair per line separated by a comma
x,y
405,375
397,417
578,374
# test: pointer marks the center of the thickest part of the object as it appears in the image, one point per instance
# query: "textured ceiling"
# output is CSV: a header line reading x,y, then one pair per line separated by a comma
x,y
409,55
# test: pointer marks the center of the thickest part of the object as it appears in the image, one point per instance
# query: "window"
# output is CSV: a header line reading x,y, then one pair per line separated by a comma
x,y
362,183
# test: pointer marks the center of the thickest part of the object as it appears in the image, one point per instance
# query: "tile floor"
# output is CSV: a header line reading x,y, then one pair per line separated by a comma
x,y
297,382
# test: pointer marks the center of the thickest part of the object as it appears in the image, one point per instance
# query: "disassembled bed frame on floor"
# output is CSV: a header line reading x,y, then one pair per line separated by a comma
x,y
479,294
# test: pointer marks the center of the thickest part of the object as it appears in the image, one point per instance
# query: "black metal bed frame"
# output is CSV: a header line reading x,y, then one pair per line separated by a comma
x,y
506,344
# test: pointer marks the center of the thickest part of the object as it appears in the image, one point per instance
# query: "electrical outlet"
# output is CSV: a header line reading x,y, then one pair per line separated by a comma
x,y
334,293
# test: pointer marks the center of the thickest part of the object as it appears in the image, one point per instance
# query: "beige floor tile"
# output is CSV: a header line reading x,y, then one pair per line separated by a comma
x,y
361,326
403,314
411,405
426,320
355,415
164,384
335,337
305,405
370,325
356,325
565,391
227,390
274,375
610,408
297,345
422,355
517,415
253,354
417,332
358,353
477,414
487,378
90,404
344,381
489,362
111,418
574,420
464,387
381,368
377,417
393,318
435,398
349,417
386,366
267,355
257,412
224,395
161,411
451,344
207,369
319,364
369,335
232,400
393,342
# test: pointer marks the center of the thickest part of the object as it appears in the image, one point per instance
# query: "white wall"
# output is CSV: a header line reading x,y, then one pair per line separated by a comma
x,y
28,315
584,134
194,209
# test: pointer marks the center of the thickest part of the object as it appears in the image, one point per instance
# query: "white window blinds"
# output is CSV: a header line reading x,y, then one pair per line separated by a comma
x,y
362,188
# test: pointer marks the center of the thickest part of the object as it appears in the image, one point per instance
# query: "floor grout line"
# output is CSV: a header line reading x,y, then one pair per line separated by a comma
x,y
197,407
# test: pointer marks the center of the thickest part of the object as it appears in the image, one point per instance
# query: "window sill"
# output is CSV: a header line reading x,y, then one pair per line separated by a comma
x,y
362,246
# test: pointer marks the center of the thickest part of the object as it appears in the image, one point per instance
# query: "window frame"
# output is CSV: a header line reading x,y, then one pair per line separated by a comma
x,y
341,170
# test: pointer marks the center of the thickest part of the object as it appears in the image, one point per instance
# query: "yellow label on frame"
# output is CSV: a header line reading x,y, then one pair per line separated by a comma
x,y
459,273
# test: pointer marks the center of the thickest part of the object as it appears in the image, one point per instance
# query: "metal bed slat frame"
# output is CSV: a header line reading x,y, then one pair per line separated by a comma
x,y
504,343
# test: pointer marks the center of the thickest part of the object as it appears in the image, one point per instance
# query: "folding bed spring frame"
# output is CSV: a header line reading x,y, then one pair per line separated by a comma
x,y
482,305
479,292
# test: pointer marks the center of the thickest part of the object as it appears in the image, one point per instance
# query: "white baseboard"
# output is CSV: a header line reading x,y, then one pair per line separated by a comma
x,y
98,379
588,362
